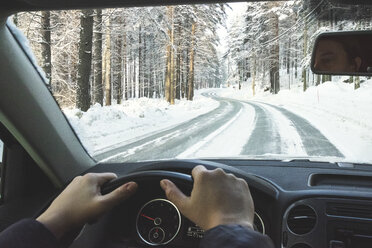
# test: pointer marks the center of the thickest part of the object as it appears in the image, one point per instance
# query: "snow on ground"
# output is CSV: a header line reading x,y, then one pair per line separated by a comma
x,y
102,128
342,114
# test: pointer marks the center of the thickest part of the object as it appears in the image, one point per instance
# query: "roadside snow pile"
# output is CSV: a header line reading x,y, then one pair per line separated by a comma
x,y
111,126
342,114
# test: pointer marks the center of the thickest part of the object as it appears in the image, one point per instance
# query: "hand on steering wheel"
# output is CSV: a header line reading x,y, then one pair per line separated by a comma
x,y
217,198
82,202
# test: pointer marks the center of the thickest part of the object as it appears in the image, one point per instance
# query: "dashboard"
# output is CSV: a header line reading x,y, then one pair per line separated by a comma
x,y
299,204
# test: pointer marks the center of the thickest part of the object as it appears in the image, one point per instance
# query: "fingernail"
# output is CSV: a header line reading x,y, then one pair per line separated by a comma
x,y
163,184
131,186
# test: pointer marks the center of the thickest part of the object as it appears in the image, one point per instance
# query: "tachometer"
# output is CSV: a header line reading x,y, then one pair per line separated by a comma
x,y
158,222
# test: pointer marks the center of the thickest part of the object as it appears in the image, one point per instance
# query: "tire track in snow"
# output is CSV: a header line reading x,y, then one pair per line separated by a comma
x,y
315,143
265,138
291,142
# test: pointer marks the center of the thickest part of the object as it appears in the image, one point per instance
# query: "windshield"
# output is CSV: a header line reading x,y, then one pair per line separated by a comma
x,y
204,81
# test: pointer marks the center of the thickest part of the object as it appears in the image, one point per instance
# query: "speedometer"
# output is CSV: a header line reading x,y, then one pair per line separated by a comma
x,y
158,222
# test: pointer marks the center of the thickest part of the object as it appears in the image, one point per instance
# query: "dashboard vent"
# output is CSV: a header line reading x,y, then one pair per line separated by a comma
x,y
301,219
350,210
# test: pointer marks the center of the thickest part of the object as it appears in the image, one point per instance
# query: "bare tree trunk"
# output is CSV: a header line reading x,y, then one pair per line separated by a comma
x,y
140,69
178,64
274,63
134,78
125,65
317,80
118,69
172,72
169,82
304,78
254,75
46,53
107,66
85,60
167,74
356,83
187,69
97,59
152,75
288,55
191,66
182,76
145,70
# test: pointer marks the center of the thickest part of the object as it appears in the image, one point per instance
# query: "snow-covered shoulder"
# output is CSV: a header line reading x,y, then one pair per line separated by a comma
x,y
106,127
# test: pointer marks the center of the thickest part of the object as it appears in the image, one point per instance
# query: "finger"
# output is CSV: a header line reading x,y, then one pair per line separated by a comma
x,y
175,195
197,171
104,177
119,194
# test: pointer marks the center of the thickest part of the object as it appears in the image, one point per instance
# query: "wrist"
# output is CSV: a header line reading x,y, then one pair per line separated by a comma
x,y
225,220
54,223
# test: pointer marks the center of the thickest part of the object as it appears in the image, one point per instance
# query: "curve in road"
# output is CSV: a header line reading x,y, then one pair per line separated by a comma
x,y
172,142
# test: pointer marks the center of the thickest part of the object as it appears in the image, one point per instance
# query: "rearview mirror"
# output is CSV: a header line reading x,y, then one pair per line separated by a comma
x,y
343,53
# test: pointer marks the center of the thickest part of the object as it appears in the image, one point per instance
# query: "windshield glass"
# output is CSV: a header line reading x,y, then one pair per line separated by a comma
x,y
204,81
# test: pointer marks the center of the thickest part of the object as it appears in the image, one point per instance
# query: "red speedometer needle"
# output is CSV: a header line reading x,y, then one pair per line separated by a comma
x,y
143,215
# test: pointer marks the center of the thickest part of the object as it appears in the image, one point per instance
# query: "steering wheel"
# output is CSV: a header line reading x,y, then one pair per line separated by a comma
x,y
112,229
145,176
103,233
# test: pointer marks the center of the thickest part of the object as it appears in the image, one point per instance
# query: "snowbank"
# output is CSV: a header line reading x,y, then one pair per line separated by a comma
x,y
106,127
342,114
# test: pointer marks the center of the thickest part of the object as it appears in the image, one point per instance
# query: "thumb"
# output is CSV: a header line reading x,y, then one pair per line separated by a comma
x,y
175,195
119,194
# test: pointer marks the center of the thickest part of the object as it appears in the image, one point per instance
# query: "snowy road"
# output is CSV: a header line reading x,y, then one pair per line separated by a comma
x,y
234,128
172,142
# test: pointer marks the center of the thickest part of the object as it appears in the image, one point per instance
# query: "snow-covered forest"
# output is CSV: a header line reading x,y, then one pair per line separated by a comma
x,y
101,56
112,55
